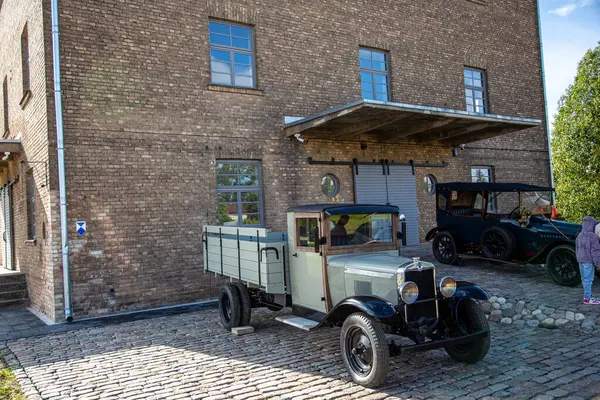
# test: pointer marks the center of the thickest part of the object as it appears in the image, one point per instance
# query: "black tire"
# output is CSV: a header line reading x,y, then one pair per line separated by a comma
x,y
498,243
472,319
230,309
245,303
364,350
444,248
562,265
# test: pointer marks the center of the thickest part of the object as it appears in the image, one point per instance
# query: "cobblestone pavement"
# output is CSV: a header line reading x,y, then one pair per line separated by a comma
x,y
189,356
526,283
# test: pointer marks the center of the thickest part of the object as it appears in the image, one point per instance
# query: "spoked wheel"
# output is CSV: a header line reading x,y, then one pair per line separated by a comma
x,y
562,266
230,309
444,248
497,243
471,319
364,350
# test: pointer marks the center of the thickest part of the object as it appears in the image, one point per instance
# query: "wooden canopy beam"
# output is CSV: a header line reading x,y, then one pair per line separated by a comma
x,y
418,128
316,122
369,126
442,136
473,137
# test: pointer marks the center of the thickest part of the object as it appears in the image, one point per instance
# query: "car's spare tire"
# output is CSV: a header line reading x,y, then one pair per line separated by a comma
x,y
498,242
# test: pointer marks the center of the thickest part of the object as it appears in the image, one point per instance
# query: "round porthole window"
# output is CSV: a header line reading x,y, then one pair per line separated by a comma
x,y
330,185
429,183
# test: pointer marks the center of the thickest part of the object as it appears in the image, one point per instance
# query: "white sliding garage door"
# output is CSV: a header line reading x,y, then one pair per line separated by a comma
x,y
396,185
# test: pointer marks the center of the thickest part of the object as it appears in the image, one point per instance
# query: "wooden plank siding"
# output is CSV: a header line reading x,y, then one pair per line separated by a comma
x,y
223,258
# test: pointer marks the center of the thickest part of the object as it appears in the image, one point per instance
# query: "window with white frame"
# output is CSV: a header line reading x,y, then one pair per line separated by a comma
x,y
475,90
374,74
482,174
232,59
239,193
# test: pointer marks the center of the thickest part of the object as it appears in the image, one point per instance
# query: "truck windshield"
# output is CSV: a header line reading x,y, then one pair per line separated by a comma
x,y
361,229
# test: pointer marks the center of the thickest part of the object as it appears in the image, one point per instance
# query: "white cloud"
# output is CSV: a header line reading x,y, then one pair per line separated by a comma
x,y
565,10
585,3
569,8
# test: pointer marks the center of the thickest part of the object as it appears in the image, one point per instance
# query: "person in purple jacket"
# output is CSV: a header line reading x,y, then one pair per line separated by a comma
x,y
588,256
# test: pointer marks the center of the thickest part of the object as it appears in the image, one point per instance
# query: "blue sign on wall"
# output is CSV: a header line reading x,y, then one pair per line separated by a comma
x,y
81,227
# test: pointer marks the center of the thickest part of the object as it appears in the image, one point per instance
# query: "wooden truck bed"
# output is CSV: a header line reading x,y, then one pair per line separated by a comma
x,y
253,255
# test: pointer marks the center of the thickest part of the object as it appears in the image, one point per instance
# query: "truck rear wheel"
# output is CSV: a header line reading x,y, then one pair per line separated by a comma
x,y
364,350
471,319
245,303
230,309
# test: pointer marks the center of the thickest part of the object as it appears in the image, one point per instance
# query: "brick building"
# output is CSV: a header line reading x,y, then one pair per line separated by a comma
x,y
184,113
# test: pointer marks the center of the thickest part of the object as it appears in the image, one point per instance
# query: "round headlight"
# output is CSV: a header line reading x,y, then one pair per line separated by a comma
x,y
409,292
447,286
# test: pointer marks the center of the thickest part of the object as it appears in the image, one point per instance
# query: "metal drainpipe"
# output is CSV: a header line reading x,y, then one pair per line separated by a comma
x,y
61,162
539,11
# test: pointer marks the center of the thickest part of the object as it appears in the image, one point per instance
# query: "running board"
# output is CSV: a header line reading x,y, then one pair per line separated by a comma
x,y
298,322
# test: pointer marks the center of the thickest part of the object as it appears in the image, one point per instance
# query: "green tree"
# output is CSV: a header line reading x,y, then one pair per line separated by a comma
x,y
576,143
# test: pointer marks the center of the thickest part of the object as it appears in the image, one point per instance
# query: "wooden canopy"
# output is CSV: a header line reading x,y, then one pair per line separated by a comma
x,y
396,122
10,146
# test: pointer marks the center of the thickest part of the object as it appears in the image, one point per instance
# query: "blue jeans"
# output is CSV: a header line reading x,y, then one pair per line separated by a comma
x,y
587,277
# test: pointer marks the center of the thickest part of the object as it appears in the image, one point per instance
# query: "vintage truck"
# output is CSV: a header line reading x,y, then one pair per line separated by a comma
x,y
341,265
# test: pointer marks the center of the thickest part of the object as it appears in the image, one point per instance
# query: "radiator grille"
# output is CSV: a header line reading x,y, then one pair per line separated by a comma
x,y
425,280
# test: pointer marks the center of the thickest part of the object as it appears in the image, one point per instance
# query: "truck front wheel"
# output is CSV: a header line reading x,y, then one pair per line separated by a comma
x,y
364,350
471,319
230,309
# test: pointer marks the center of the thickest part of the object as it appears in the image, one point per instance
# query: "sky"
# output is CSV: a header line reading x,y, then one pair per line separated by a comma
x,y
569,29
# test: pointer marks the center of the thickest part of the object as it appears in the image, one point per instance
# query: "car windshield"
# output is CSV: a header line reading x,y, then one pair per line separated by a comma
x,y
537,203
361,229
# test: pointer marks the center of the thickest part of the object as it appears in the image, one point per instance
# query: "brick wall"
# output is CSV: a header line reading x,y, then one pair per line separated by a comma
x,y
143,126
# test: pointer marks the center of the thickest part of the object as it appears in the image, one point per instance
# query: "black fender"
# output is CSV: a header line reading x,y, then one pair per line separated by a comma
x,y
468,290
431,234
375,307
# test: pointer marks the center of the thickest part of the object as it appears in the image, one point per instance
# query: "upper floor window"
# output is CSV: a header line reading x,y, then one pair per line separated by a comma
x,y
374,74
5,102
232,60
475,90
239,193
25,60
482,174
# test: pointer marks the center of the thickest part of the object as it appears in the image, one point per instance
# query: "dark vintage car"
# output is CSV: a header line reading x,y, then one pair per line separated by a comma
x,y
507,222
